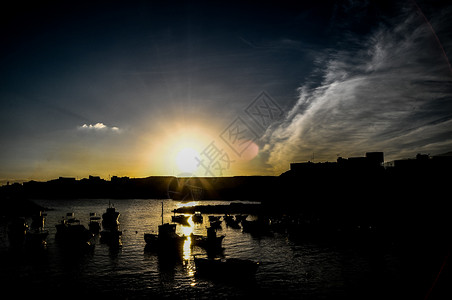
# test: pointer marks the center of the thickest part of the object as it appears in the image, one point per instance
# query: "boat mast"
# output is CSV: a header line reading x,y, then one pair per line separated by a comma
x,y
162,213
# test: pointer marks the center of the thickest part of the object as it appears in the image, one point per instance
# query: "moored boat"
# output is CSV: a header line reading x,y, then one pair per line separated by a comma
x,y
231,222
167,239
36,235
240,218
110,219
94,223
215,224
197,217
111,234
209,242
71,232
232,268
181,219
214,218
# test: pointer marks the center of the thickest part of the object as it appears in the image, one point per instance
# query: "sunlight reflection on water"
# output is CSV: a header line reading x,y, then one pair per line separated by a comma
x,y
187,248
187,231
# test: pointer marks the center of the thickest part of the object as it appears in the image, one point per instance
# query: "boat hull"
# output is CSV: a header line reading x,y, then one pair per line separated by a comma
x,y
229,268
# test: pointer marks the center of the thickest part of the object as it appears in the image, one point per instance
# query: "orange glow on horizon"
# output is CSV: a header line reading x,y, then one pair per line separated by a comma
x,y
164,151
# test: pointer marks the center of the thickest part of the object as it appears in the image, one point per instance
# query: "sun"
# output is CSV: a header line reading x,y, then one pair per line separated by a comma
x,y
187,160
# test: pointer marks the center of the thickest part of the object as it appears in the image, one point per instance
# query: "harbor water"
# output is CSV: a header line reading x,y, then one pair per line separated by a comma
x,y
288,268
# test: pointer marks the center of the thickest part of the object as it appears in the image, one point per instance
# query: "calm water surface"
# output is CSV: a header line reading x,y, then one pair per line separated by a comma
x,y
303,270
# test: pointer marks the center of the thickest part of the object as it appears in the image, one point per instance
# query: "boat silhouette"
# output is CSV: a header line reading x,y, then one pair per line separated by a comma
x,y
209,242
110,219
197,217
110,223
73,234
94,223
36,235
231,268
167,239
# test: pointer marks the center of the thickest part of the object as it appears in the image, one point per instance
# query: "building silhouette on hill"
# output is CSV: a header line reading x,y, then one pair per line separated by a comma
x,y
371,162
356,178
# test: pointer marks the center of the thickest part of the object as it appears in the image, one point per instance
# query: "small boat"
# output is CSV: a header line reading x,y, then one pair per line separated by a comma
x,y
65,223
71,232
214,218
240,218
231,222
232,268
197,217
110,219
228,217
111,234
181,219
215,224
36,235
94,223
209,242
167,239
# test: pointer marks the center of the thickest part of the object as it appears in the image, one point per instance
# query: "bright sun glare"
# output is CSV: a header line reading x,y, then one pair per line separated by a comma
x,y
186,160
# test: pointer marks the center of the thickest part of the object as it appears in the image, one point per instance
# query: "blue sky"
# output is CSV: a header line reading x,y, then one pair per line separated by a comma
x,y
110,88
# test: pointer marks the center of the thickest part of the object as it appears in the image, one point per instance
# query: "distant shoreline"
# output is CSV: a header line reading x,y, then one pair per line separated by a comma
x,y
233,208
354,189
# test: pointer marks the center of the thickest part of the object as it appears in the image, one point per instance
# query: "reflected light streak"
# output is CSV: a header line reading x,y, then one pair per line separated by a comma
x,y
187,248
187,231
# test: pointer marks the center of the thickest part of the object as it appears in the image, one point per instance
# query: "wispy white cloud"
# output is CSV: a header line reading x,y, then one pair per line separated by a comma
x,y
394,94
98,127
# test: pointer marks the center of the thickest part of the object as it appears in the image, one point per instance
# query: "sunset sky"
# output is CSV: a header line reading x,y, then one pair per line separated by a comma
x,y
142,88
